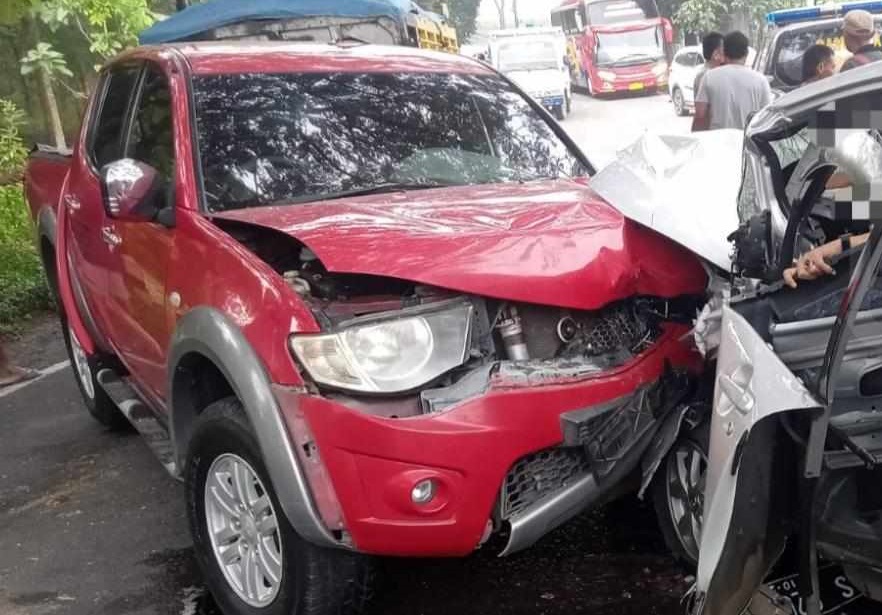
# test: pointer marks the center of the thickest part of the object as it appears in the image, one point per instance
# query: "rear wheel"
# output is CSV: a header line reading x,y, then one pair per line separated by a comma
x,y
679,102
569,102
252,559
85,368
561,112
678,494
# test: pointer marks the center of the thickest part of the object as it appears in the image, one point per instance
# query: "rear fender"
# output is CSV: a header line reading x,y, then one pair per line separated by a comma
x,y
750,473
207,332
65,289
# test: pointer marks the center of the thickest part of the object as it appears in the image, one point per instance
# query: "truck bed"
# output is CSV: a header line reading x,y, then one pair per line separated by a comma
x,y
44,177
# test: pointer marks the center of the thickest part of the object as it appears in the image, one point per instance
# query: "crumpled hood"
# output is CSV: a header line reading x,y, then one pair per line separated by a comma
x,y
552,243
684,187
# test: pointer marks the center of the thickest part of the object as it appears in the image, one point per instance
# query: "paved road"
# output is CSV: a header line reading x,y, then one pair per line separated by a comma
x,y
91,525
602,127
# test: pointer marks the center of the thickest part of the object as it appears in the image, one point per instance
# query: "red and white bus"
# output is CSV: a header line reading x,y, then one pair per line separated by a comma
x,y
615,45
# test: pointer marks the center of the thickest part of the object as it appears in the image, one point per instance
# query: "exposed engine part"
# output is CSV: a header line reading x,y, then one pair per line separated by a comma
x,y
513,335
618,328
567,329
623,329
297,284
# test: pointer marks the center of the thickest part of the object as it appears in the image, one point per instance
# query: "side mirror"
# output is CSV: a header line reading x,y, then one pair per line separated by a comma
x,y
132,190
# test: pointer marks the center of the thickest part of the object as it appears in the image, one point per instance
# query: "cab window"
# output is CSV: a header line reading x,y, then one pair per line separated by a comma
x,y
151,139
106,143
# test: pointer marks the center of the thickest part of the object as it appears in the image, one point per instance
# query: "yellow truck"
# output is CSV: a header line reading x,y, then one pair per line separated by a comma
x,y
381,22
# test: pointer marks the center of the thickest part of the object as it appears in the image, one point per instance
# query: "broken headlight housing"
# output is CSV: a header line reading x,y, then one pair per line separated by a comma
x,y
391,352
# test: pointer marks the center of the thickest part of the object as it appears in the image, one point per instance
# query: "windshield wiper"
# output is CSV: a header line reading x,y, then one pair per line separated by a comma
x,y
378,189
634,56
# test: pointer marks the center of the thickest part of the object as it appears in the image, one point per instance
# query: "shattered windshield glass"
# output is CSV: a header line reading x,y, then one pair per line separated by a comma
x,y
286,138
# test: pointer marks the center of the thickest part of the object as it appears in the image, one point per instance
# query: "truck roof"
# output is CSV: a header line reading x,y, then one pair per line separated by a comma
x,y
201,17
224,57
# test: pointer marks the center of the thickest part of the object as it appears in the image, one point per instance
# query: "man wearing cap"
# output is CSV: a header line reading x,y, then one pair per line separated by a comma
x,y
859,30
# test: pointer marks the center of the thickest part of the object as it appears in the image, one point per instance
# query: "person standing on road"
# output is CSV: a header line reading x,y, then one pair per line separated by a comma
x,y
730,93
818,63
712,50
859,32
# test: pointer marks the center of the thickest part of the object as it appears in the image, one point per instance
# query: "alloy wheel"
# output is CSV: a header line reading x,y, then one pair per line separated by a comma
x,y
244,530
679,103
685,479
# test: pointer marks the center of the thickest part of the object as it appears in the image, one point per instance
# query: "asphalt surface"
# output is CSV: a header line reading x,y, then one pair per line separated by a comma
x,y
90,524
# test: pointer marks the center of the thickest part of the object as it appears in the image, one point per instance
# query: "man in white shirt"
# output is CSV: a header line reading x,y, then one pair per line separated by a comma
x,y
730,93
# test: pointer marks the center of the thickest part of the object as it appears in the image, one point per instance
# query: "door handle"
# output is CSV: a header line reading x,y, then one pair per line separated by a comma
x,y
739,394
110,237
72,202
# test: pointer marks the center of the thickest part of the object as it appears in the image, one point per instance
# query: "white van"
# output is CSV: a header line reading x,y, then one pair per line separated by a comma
x,y
535,59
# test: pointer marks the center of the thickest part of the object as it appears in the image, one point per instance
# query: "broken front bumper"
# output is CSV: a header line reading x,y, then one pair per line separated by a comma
x,y
502,454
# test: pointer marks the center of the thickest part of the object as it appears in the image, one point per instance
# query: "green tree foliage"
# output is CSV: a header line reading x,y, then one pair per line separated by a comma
x,y
21,278
107,25
44,57
463,14
706,15
12,148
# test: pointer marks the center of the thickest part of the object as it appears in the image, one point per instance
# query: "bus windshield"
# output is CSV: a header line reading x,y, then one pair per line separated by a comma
x,y
618,11
518,55
625,48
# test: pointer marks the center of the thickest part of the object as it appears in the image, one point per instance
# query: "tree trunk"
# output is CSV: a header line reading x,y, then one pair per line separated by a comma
x,y
514,10
181,4
52,110
50,103
500,6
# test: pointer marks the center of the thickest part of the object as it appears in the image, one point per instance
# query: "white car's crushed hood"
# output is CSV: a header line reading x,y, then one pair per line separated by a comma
x,y
684,187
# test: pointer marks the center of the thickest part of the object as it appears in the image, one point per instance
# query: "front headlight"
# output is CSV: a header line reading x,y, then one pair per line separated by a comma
x,y
660,69
606,75
391,353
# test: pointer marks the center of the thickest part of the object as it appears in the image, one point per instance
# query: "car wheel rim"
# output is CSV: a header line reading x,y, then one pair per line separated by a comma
x,y
81,365
244,530
686,473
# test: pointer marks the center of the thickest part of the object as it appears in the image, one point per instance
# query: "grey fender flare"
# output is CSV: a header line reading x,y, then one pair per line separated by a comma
x,y
207,332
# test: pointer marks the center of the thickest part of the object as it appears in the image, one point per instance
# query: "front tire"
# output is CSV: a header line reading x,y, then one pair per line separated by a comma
x,y
252,559
560,112
679,102
678,494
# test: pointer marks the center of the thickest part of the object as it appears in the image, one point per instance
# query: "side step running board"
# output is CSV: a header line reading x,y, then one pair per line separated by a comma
x,y
141,417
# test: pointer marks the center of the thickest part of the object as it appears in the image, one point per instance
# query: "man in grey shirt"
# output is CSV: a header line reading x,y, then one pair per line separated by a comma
x,y
712,50
730,93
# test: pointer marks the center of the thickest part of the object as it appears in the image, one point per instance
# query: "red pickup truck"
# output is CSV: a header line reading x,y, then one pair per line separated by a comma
x,y
363,301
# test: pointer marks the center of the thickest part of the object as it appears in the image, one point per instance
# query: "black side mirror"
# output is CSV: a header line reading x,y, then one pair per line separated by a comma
x,y
133,191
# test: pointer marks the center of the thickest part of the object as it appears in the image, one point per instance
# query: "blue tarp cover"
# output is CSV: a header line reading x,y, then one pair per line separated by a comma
x,y
217,13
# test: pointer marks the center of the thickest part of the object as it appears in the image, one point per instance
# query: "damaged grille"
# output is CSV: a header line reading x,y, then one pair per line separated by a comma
x,y
616,328
541,474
